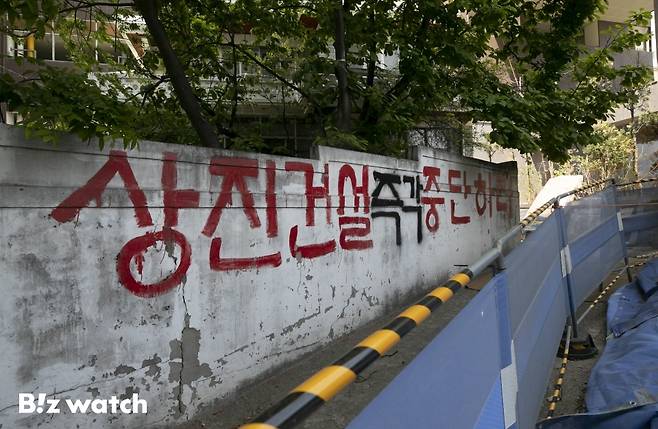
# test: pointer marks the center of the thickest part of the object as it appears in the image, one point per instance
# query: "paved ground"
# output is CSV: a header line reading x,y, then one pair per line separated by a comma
x,y
342,409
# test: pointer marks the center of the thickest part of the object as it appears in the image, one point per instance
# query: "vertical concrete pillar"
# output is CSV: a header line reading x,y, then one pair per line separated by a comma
x,y
30,46
592,34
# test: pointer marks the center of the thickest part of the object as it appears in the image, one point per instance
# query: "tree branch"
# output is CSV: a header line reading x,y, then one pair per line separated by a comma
x,y
179,81
276,75
344,108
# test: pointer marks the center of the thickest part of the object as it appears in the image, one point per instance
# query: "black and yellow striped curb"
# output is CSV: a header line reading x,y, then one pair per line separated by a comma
x,y
638,182
557,389
326,383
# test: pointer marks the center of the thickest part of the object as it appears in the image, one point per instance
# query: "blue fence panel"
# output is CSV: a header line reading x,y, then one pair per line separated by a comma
x,y
538,308
493,415
527,267
595,243
593,256
638,198
639,208
583,215
595,268
454,382
641,221
490,366
536,343
587,244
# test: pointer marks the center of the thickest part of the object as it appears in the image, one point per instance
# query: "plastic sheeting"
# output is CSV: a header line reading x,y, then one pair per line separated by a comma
x,y
623,386
626,374
645,417
647,279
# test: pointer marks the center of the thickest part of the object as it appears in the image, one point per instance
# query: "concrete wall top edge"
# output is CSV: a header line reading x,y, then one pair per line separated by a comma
x,y
153,150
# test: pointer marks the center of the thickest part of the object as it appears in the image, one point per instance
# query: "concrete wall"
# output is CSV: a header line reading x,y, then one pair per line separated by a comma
x,y
189,272
529,181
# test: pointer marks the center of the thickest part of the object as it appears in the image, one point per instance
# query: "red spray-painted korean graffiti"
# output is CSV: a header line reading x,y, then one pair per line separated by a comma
x,y
395,198
174,199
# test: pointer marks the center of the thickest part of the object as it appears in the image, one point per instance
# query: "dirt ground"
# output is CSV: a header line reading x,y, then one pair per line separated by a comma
x,y
577,373
347,405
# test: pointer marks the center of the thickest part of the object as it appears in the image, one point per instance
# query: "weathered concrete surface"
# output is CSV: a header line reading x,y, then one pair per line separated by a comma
x,y
185,296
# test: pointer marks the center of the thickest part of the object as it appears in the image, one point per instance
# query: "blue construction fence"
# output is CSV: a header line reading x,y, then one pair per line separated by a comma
x,y
490,367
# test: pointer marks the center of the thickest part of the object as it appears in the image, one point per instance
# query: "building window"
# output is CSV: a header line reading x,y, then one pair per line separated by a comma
x,y
608,30
13,118
44,47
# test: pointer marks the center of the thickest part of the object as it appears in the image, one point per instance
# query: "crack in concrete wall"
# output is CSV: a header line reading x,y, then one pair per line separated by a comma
x,y
189,368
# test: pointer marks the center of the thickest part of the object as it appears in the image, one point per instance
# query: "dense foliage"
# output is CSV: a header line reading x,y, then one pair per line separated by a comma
x,y
611,154
515,63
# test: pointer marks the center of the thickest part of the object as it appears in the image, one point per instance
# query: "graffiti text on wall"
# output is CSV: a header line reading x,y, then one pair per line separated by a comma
x,y
395,198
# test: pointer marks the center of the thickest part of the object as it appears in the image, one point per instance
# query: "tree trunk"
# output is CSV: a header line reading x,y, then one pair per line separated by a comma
x,y
542,166
234,82
344,111
366,116
182,88
634,172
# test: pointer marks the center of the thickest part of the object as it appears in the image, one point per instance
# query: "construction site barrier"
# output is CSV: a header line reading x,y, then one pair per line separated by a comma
x,y
490,366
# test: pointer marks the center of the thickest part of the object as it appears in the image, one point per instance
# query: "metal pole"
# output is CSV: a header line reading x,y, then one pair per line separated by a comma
x,y
622,236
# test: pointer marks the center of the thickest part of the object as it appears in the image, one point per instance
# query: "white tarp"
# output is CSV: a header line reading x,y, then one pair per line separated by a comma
x,y
554,187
